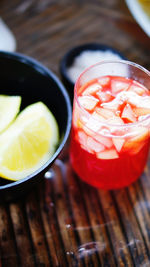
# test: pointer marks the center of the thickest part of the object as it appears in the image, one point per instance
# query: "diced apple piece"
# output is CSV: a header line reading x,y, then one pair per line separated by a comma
x,y
86,85
94,145
118,86
88,102
104,96
139,133
106,141
113,126
134,99
118,143
92,89
108,154
104,81
144,117
137,89
93,124
134,144
98,117
80,122
82,138
141,111
115,120
87,130
104,112
79,118
128,115
113,105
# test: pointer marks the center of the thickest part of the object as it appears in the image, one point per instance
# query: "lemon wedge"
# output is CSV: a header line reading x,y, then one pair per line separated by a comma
x,y
9,108
28,143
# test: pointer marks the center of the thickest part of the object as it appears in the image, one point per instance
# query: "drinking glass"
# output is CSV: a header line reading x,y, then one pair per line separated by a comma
x,y
109,169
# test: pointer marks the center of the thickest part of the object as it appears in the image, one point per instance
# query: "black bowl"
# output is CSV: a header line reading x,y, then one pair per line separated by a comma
x,y
69,57
24,76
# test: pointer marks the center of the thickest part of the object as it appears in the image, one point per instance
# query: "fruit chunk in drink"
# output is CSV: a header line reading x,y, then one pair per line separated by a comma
x,y
110,131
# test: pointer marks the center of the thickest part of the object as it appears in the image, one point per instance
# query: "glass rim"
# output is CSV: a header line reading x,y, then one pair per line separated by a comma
x,y
126,62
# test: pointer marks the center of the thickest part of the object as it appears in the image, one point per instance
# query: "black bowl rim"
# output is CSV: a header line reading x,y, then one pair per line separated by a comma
x,y
45,71
75,51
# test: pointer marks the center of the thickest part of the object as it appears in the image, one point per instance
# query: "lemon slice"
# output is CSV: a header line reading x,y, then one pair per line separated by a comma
x,y
28,143
9,108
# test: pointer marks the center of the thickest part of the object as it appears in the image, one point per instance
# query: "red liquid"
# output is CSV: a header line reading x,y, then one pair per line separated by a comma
x,y
113,160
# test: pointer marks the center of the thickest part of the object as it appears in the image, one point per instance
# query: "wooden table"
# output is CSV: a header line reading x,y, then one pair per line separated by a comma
x,y
64,222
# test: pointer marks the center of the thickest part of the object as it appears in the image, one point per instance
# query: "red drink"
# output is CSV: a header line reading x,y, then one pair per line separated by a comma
x,y
110,130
